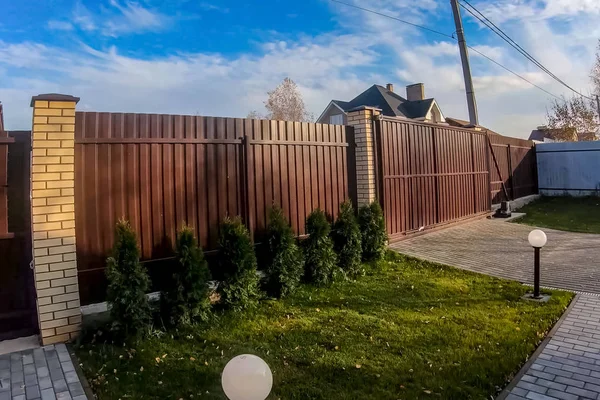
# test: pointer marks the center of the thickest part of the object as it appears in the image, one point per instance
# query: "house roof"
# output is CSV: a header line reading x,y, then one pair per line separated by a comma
x,y
390,103
538,134
461,123
416,109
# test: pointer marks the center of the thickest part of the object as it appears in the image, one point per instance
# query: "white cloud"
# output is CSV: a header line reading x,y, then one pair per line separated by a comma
x,y
83,18
505,10
119,18
134,18
329,66
186,83
60,25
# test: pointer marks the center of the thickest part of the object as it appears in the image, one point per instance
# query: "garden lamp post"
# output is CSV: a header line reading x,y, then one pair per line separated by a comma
x,y
247,377
537,240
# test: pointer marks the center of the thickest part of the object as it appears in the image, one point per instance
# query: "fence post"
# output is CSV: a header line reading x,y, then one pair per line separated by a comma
x,y
511,174
474,174
361,119
489,170
247,168
53,210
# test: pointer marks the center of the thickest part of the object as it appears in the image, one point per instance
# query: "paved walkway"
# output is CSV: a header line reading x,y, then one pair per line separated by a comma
x,y
44,373
494,247
568,367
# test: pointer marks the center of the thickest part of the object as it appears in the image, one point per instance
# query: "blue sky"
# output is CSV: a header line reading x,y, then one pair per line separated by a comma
x,y
219,57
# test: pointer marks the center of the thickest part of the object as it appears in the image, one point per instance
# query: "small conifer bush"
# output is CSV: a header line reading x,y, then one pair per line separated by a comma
x,y
372,228
128,283
284,262
319,256
237,261
347,241
185,299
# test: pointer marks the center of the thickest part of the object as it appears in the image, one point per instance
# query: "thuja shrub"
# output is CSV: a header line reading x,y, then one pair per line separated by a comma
x,y
128,283
347,241
284,262
319,257
372,228
185,299
239,289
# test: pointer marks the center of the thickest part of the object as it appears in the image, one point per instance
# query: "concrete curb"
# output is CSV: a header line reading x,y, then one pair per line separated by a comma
x,y
537,352
84,383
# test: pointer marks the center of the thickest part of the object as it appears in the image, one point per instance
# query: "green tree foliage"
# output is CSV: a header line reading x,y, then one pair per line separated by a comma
x,y
285,264
185,299
128,283
347,241
320,258
372,228
237,260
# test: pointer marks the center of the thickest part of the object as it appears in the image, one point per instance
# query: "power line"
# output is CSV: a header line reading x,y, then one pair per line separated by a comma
x,y
514,73
494,28
447,36
394,18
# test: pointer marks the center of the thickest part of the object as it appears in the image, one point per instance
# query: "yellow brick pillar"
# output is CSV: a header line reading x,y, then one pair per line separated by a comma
x,y
53,217
361,118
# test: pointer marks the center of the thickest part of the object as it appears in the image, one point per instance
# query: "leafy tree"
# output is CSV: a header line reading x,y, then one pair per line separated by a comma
x,y
285,264
347,240
237,260
185,299
320,258
372,227
285,103
128,283
575,119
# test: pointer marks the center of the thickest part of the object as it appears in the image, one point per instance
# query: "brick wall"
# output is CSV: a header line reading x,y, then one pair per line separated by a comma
x,y
53,217
362,121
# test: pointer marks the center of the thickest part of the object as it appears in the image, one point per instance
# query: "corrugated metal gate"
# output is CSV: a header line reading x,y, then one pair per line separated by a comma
x,y
18,316
430,175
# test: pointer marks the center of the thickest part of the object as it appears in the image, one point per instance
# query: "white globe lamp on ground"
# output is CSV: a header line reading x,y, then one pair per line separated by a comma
x,y
247,377
537,240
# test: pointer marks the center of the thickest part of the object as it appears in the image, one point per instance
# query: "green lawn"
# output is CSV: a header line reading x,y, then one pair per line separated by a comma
x,y
575,214
409,329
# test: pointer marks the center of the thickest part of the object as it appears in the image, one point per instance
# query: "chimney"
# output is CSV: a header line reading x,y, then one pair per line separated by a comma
x,y
415,92
390,87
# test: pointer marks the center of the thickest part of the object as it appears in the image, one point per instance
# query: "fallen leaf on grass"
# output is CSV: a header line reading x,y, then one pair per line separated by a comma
x,y
358,366
192,359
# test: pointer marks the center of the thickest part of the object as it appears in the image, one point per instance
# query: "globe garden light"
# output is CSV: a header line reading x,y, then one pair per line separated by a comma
x,y
537,240
247,377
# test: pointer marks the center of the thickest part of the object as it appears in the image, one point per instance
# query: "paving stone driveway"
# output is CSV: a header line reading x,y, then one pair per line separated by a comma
x,y
44,373
494,247
568,367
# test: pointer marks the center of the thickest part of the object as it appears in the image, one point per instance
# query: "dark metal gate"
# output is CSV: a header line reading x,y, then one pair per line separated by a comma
x,y
430,175
18,315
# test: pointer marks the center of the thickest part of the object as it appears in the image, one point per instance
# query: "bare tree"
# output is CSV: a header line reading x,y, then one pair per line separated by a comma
x,y
573,120
285,103
576,119
595,73
255,115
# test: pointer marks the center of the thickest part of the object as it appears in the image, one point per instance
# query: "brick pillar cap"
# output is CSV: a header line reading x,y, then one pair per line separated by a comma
x,y
360,108
53,97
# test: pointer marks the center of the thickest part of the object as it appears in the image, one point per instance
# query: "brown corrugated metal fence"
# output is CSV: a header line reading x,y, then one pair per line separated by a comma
x,y
430,175
161,171
512,168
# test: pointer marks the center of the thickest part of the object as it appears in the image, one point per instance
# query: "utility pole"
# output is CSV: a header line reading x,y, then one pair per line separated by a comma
x,y
464,57
598,106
